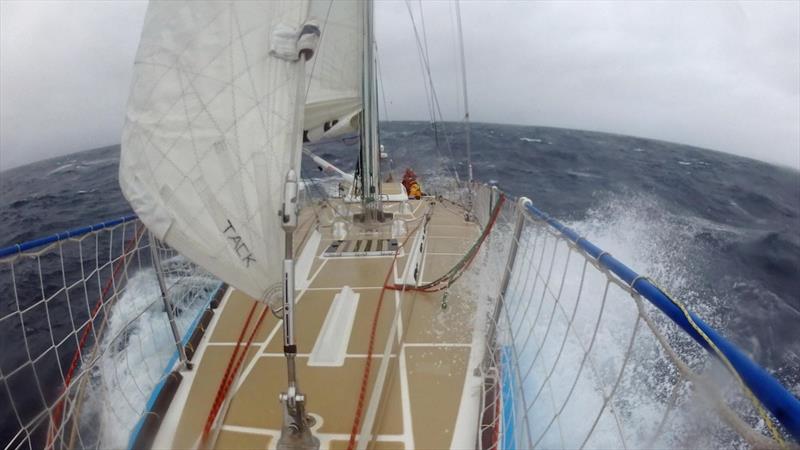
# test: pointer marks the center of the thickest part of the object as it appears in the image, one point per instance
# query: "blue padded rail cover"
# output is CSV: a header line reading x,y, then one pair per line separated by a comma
x,y
508,438
40,242
776,398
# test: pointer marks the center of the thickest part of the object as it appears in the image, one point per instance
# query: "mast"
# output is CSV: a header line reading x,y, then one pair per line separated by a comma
x,y
370,175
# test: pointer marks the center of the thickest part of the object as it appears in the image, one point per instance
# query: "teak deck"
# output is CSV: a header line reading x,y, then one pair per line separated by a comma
x,y
429,397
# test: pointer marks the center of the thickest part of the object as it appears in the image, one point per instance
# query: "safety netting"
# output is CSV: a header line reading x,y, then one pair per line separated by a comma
x,y
579,357
87,333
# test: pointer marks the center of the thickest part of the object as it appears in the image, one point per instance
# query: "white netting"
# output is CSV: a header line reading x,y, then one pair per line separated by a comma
x,y
478,200
576,359
86,337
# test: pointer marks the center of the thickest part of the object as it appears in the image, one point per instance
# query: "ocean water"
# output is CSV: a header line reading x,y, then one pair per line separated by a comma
x,y
719,231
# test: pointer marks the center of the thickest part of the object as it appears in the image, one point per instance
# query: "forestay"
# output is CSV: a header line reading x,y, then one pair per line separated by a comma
x,y
214,123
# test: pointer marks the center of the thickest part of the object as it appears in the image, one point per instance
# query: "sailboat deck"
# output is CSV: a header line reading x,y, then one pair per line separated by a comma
x,y
428,398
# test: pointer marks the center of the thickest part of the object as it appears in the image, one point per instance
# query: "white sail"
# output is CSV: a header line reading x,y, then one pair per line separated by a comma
x,y
212,129
334,90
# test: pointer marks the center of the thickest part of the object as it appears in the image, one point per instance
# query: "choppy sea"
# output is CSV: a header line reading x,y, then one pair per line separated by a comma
x,y
721,232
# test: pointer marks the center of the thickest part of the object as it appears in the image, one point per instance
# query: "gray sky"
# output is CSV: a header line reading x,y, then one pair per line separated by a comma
x,y
721,75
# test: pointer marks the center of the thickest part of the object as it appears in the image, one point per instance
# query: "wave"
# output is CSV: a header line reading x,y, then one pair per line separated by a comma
x,y
578,174
636,230
138,343
69,167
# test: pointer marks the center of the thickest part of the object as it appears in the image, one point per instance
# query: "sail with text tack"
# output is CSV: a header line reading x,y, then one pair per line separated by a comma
x,y
215,122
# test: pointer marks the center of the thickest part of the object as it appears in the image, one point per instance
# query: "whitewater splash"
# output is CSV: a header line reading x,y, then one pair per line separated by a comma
x,y
586,355
75,165
140,348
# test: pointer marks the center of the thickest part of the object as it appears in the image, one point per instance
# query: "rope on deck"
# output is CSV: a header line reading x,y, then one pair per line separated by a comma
x,y
362,392
232,369
452,275
439,284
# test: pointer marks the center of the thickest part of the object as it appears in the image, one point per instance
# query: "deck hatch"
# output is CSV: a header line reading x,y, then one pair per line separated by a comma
x,y
361,247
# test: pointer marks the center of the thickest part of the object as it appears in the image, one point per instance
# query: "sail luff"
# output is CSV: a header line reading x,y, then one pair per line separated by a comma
x,y
211,131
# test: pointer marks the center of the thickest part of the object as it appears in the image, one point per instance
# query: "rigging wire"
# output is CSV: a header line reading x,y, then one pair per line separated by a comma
x,y
383,98
424,32
380,83
464,87
429,77
424,62
421,56
453,27
426,56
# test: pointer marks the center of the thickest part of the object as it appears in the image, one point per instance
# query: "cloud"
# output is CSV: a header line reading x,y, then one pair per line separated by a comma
x,y
65,70
719,75
713,74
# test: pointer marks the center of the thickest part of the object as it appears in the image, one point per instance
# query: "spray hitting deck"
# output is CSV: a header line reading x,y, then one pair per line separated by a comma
x,y
420,392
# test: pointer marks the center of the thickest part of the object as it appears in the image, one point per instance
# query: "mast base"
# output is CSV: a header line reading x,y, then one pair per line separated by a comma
x,y
372,216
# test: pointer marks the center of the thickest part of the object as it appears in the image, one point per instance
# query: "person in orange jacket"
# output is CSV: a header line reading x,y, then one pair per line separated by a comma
x,y
411,184
415,191
409,177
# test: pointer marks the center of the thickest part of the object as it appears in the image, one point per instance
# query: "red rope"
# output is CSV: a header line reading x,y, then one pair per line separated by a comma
x,y
365,378
234,364
434,287
228,368
76,357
